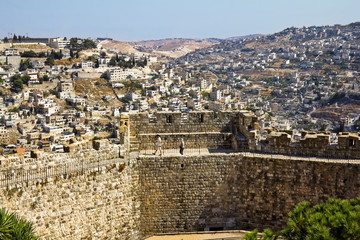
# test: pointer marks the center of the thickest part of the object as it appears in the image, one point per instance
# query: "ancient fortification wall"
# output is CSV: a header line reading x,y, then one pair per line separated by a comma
x,y
234,192
88,194
320,144
237,130
98,190
207,129
111,197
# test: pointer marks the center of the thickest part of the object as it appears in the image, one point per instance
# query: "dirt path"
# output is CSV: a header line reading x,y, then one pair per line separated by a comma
x,y
210,236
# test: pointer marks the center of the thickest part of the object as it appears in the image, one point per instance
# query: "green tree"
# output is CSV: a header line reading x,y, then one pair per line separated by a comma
x,y
133,61
46,94
91,58
112,61
78,44
12,227
266,235
25,79
41,55
50,61
88,44
25,64
29,54
17,85
57,55
14,109
97,63
251,235
75,44
334,220
205,95
337,219
71,53
269,235
45,78
142,63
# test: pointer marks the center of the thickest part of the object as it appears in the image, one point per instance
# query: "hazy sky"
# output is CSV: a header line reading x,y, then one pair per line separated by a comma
x,y
156,19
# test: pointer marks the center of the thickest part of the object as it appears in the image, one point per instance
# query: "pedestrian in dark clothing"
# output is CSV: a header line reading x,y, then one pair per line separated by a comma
x,y
182,146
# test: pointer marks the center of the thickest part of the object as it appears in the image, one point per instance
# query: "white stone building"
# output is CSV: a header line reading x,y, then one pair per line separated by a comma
x,y
118,75
59,43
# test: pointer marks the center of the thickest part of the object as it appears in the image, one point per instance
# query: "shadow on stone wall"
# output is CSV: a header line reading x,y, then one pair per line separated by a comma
x,y
229,192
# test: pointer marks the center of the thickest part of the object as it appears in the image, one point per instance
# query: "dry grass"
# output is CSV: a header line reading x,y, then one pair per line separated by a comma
x,y
35,46
95,90
67,62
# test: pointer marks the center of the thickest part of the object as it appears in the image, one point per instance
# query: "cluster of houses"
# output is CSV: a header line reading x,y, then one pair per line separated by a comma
x,y
283,84
288,74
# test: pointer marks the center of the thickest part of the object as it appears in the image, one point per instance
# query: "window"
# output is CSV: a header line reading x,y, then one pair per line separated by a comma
x,y
201,117
169,119
352,142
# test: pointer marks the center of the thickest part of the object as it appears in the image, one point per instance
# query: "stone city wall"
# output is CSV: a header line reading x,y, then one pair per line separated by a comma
x,y
206,129
177,122
230,191
319,144
111,197
81,148
96,191
191,140
87,194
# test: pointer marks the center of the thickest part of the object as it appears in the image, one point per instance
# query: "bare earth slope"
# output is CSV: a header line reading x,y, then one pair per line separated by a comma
x,y
173,48
118,46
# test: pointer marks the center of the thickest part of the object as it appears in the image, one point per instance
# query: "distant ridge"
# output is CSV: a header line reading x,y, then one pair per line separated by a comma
x,y
355,24
169,47
236,38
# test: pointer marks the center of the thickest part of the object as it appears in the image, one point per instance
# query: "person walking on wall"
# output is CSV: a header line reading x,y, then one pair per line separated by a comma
x,y
182,146
158,145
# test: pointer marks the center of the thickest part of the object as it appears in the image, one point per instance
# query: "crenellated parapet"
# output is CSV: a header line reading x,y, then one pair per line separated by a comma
x,y
317,144
81,149
199,129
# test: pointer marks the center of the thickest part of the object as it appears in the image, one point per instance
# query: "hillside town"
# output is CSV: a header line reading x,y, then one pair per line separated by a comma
x,y
54,90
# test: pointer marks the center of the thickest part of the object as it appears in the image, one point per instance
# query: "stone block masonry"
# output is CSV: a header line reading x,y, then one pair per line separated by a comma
x,y
88,195
230,191
101,194
213,130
